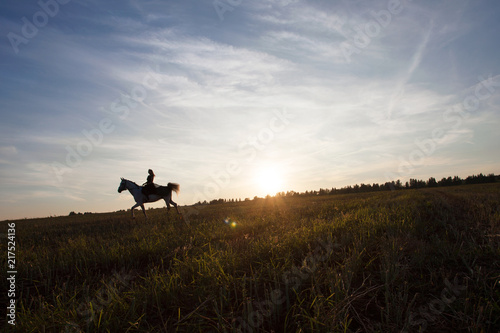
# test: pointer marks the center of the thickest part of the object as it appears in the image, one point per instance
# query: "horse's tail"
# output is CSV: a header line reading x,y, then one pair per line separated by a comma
x,y
174,187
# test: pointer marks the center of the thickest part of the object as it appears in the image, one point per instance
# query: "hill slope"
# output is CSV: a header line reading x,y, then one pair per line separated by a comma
x,y
391,261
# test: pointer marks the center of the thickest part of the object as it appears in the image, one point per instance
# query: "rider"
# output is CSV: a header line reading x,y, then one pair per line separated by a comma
x,y
149,188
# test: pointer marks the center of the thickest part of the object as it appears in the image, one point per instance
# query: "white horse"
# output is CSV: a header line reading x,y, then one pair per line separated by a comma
x,y
163,192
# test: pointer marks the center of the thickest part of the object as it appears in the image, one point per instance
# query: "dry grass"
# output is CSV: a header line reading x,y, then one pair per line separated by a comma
x,y
409,260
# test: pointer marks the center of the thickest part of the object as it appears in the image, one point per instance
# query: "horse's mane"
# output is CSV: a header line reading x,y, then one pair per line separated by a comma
x,y
130,181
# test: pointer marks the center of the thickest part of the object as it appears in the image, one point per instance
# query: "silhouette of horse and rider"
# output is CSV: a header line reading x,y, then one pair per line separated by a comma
x,y
149,192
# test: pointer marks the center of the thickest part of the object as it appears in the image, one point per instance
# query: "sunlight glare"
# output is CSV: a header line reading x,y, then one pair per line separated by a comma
x,y
269,179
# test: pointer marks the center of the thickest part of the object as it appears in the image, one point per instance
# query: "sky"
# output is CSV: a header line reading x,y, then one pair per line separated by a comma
x,y
239,98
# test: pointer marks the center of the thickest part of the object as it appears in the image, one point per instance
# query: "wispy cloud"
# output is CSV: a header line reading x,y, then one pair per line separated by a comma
x,y
415,62
184,91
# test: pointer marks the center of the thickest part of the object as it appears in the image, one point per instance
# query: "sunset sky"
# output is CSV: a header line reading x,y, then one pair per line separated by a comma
x,y
239,98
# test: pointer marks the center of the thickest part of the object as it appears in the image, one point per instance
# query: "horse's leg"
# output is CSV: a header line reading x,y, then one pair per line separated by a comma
x,y
168,206
132,209
143,210
175,205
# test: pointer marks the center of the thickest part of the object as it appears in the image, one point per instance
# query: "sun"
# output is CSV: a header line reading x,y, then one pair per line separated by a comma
x,y
269,179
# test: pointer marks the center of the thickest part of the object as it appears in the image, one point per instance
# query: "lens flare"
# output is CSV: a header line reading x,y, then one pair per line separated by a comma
x,y
228,221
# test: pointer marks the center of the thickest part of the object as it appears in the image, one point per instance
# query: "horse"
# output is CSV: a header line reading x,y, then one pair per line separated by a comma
x,y
162,192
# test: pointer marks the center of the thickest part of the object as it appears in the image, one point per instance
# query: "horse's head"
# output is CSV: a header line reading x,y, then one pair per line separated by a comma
x,y
123,185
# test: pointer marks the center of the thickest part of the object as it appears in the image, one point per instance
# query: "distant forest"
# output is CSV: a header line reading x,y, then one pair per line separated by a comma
x,y
388,186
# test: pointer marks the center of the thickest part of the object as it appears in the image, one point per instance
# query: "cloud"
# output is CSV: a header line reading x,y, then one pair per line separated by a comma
x,y
185,90
415,62
8,150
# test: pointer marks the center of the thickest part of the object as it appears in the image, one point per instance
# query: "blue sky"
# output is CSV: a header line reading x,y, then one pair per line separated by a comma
x,y
234,99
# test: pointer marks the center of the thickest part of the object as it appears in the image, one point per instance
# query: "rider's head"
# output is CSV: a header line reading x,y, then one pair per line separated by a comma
x,y
150,172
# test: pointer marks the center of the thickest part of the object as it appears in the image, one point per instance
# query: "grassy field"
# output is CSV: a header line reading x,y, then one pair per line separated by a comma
x,y
408,260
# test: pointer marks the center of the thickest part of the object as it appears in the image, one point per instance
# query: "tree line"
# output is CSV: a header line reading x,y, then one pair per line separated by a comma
x,y
398,185
388,186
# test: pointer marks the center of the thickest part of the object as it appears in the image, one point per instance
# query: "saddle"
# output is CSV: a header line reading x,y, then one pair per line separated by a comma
x,y
153,188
